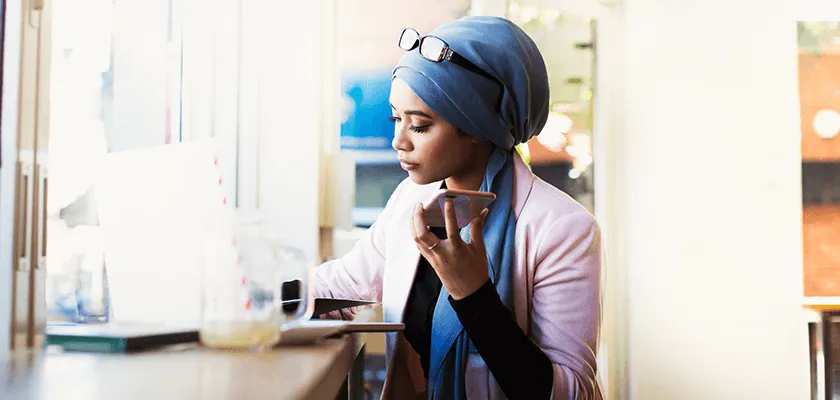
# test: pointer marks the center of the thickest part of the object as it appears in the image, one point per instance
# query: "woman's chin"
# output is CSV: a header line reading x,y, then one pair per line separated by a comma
x,y
420,179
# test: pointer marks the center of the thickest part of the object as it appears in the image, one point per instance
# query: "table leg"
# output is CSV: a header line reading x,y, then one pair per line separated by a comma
x,y
813,342
356,378
825,386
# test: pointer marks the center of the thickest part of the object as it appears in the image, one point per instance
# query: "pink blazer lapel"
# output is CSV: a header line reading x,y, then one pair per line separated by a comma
x,y
403,255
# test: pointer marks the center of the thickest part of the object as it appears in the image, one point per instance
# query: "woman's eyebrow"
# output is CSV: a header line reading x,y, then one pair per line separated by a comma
x,y
414,112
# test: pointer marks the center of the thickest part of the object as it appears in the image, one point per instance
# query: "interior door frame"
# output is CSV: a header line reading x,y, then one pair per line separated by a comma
x,y
2,35
10,44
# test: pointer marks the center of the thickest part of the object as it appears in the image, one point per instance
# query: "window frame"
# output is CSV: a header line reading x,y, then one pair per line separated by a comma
x,y
212,111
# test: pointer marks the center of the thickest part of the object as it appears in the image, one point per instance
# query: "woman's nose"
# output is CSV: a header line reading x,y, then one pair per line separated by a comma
x,y
400,141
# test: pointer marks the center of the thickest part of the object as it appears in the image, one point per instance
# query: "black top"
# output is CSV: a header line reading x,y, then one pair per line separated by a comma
x,y
518,365
420,307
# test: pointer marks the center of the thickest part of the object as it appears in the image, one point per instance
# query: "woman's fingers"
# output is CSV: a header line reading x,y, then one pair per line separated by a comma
x,y
422,236
451,219
477,231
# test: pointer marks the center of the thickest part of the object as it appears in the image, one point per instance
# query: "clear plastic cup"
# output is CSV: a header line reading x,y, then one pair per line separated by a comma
x,y
243,287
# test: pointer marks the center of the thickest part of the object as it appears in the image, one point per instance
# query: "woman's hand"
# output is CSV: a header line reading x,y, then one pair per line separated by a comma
x,y
461,266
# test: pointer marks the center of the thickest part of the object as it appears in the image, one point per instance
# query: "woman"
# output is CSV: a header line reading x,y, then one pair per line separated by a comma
x,y
510,305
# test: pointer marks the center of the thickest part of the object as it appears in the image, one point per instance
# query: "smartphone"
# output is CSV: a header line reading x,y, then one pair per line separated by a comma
x,y
468,205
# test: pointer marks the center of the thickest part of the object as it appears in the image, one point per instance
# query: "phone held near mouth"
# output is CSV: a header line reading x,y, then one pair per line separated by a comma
x,y
468,205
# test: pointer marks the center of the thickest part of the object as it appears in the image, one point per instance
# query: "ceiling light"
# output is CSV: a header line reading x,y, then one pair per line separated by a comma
x,y
826,123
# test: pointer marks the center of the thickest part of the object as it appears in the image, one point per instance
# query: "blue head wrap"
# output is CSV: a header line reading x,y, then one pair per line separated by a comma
x,y
505,111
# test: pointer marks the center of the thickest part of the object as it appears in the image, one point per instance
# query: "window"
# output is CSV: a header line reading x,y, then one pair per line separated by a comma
x,y
819,93
126,75
115,85
104,77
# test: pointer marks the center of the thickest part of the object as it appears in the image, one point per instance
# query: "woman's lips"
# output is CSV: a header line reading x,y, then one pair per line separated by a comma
x,y
407,165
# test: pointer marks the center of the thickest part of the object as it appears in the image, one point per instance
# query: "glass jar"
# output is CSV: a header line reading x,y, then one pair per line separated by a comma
x,y
243,286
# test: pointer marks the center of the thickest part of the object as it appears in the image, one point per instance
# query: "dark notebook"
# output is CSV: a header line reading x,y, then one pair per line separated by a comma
x,y
116,338
325,305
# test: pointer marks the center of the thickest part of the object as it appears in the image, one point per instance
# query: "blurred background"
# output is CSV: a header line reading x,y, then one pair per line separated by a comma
x,y
702,135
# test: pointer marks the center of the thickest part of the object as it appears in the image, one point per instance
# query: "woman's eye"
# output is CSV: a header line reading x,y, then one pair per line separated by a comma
x,y
413,128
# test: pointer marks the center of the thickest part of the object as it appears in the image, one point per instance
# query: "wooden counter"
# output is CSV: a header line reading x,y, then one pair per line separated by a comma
x,y
188,372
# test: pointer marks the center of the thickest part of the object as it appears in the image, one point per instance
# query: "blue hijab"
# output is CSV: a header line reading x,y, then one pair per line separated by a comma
x,y
506,111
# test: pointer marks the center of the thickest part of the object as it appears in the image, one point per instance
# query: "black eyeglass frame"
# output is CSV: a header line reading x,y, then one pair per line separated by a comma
x,y
446,53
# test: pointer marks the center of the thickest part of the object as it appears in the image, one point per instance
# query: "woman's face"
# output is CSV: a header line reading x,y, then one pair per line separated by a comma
x,y
429,148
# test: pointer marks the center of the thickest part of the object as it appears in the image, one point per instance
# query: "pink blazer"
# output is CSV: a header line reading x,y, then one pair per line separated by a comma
x,y
556,289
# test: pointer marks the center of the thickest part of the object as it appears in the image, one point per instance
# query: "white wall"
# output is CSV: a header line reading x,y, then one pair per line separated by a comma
x,y
10,74
703,218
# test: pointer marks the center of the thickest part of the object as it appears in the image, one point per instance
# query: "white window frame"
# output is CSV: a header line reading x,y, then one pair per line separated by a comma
x,y
211,80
